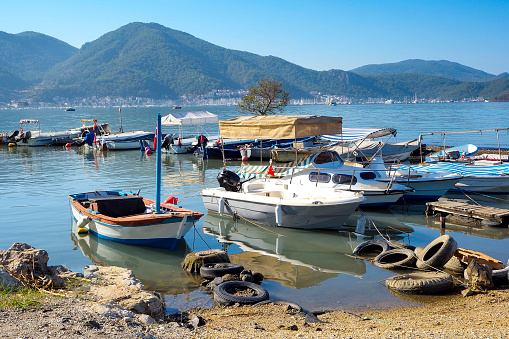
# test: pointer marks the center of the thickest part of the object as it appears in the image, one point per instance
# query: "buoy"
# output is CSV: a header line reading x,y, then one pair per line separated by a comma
x,y
148,150
11,144
171,200
82,230
68,145
83,222
279,215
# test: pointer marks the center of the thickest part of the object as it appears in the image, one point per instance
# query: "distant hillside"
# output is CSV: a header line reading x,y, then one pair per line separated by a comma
x,y
442,68
150,60
30,55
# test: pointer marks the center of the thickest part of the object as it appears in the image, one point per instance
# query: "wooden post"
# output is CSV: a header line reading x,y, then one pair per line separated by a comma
x,y
442,224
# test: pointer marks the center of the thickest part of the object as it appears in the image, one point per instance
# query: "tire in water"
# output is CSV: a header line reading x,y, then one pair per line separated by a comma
x,y
214,270
226,293
396,258
437,253
421,283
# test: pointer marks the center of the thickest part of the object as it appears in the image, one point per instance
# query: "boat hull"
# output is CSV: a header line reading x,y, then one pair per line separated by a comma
x,y
484,184
145,229
265,211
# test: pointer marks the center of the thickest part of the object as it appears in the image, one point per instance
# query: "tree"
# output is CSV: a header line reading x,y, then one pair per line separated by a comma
x,y
265,98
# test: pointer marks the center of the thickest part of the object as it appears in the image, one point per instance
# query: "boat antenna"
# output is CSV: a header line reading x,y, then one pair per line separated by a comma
x,y
121,130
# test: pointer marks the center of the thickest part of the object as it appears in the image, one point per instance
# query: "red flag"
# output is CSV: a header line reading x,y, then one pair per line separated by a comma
x,y
271,170
155,139
180,143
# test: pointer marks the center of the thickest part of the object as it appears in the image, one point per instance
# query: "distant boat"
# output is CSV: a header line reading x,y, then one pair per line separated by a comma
x,y
177,107
70,109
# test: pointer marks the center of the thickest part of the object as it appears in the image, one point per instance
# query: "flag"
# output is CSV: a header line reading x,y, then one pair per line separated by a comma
x,y
271,170
180,142
155,139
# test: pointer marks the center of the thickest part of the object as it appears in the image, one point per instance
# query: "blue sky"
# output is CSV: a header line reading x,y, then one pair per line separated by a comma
x,y
316,34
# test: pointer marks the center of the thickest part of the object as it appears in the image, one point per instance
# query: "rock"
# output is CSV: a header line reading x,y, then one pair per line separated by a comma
x,y
246,275
258,278
194,260
7,280
112,310
479,277
145,319
196,321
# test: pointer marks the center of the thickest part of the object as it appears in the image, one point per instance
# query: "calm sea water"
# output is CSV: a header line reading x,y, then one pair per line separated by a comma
x,y
311,268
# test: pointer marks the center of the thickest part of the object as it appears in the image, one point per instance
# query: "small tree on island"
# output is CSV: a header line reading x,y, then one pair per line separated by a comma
x,y
265,98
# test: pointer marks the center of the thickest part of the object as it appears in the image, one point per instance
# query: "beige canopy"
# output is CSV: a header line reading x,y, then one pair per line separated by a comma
x,y
279,126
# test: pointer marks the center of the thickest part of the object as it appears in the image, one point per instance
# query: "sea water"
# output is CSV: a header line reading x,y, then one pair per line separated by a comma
x,y
312,268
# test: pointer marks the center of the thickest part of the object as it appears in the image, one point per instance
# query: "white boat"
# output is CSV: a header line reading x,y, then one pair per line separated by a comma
x,y
359,143
476,178
31,134
327,169
123,141
178,144
457,153
271,201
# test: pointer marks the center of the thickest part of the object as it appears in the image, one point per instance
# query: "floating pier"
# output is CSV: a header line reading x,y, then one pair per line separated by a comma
x,y
494,216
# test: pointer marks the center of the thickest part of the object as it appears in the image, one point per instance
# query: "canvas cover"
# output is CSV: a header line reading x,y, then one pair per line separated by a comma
x,y
354,134
189,118
279,126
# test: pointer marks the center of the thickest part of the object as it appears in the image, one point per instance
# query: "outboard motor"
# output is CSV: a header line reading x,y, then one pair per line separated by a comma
x,y
167,141
229,180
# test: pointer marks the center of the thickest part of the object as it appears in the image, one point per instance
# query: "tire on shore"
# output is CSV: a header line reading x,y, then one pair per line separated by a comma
x,y
437,253
420,283
214,270
371,248
227,293
395,259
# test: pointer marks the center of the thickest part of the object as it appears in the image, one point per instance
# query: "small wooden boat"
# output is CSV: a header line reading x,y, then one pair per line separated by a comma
x,y
130,219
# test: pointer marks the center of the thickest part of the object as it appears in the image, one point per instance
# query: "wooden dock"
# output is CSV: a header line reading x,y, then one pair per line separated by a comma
x,y
494,215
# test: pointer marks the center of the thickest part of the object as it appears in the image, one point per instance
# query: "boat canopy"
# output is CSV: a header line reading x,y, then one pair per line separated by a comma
x,y
190,118
28,121
354,134
279,126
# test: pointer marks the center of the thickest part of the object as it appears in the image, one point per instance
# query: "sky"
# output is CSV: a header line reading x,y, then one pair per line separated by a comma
x,y
319,35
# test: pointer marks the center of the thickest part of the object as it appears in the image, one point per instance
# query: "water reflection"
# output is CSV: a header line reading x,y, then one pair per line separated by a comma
x,y
159,270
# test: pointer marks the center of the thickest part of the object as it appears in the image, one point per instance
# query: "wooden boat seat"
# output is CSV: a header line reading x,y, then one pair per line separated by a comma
x,y
118,206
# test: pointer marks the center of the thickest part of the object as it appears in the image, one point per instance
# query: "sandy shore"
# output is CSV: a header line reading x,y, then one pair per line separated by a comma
x,y
478,316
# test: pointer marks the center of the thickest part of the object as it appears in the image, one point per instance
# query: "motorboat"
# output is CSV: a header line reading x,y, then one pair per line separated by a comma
x,y
458,153
178,143
123,140
273,202
31,134
131,219
328,170
486,178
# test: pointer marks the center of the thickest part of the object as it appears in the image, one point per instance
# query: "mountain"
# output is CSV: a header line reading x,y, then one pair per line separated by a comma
x,y
441,68
151,60
29,55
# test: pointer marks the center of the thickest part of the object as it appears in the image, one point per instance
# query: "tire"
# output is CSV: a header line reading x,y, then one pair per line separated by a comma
x,y
418,250
371,248
437,253
420,283
224,293
455,265
395,258
501,277
214,270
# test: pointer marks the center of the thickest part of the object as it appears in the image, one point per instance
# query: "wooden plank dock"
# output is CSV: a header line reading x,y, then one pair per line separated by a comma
x,y
495,215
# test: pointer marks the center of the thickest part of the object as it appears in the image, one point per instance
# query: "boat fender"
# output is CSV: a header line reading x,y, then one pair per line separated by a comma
x,y
279,215
68,145
82,222
171,200
11,144
82,230
148,150
221,206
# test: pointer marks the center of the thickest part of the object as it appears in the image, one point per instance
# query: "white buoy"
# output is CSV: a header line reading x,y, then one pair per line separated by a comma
x,y
221,206
279,215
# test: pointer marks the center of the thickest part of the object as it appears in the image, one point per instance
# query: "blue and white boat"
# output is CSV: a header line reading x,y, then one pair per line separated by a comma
x,y
462,152
131,219
476,178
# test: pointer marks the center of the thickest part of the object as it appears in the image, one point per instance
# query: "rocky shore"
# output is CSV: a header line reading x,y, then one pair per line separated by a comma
x,y
111,302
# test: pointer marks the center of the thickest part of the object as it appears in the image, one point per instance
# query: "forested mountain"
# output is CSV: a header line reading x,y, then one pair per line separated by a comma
x,y
30,55
150,60
441,68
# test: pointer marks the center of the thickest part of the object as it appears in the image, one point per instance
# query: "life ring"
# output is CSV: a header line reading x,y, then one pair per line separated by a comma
x,y
227,293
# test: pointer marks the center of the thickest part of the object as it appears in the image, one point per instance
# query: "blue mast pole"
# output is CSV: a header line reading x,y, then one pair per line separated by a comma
x,y
158,168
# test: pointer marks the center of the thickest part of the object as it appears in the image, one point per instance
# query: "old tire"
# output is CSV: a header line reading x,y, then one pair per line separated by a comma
x,y
224,294
371,248
500,277
455,265
437,253
395,258
421,283
418,250
215,270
